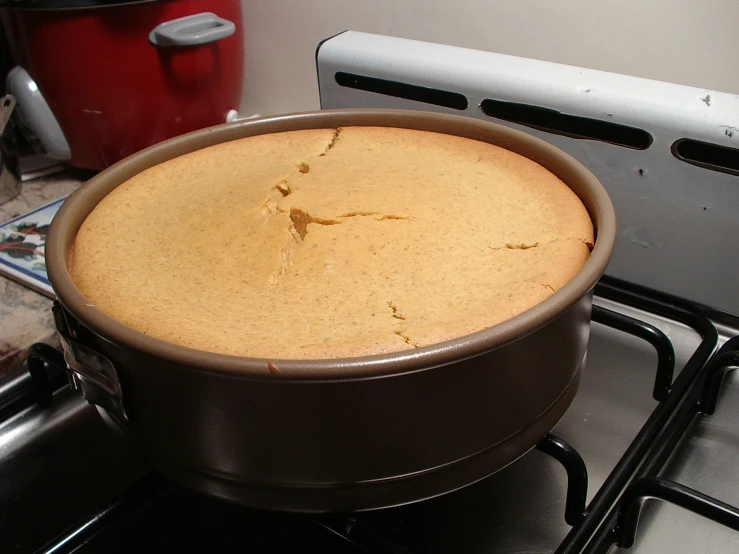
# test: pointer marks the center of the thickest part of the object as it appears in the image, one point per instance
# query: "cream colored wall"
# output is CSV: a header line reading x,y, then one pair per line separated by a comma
x,y
693,42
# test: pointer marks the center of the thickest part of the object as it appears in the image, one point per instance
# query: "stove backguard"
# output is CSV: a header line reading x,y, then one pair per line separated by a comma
x,y
667,154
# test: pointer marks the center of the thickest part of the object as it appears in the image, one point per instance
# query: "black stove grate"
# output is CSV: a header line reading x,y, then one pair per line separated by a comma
x,y
669,491
45,374
700,400
611,517
648,452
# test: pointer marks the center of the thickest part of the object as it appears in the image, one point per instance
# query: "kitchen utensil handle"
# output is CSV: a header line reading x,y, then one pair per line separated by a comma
x,y
192,30
34,115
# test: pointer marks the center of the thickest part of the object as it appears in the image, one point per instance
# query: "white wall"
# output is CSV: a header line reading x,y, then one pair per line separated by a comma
x,y
692,42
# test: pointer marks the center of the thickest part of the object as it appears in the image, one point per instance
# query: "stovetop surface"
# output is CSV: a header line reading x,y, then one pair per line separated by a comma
x,y
62,465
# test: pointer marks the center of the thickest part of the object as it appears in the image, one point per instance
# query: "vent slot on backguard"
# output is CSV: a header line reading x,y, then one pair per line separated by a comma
x,y
417,93
707,155
574,126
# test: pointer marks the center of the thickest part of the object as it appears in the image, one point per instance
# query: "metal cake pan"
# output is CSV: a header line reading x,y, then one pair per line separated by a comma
x,y
338,434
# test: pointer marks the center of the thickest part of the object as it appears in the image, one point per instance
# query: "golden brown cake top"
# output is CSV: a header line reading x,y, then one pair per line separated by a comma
x,y
330,243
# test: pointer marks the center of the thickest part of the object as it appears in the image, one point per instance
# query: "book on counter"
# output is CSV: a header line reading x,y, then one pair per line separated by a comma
x,y
22,245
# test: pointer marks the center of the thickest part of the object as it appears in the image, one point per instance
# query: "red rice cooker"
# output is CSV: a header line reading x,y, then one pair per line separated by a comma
x,y
97,81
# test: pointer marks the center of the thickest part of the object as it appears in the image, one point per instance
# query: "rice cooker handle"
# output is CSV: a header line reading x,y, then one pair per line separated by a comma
x,y
192,30
89,372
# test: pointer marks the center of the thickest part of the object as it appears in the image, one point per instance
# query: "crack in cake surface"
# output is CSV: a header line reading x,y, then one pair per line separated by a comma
x,y
406,338
382,217
397,314
283,188
522,246
301,219
333,141
528,246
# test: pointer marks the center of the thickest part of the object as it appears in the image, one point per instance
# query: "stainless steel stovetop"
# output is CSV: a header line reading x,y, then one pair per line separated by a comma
x,y
72,485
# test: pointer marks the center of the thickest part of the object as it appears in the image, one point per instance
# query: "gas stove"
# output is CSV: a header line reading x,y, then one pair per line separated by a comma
x,y
655,417
642,426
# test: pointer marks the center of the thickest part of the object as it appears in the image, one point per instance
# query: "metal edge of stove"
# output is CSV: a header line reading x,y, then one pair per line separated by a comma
x,y
60,463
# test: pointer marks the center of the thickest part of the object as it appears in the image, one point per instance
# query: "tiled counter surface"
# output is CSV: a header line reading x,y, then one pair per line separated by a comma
x,y
25,315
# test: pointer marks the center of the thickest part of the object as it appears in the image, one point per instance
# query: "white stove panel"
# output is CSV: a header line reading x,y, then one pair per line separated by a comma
x,y
678,227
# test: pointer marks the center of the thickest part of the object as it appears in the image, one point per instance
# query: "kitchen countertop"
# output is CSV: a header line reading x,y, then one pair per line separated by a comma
x,y
25,315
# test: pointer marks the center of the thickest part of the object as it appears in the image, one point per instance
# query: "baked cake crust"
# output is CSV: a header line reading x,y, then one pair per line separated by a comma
x,y
330,243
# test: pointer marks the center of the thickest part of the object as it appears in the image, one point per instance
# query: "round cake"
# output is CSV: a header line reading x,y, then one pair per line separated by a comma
x,y
330,243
